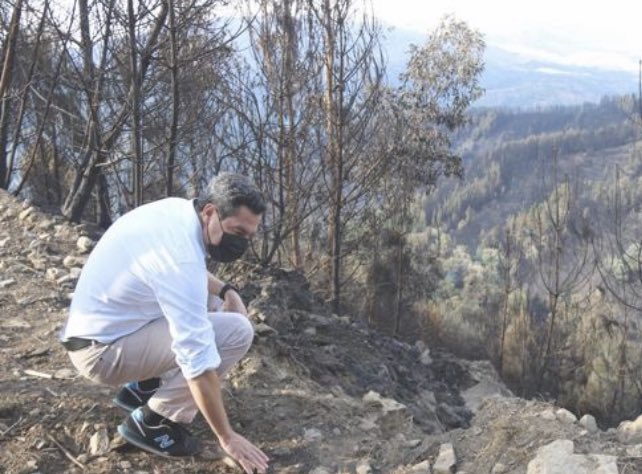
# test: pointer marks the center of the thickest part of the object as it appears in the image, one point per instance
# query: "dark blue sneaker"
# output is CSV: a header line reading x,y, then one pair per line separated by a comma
x,y
166,438
131,396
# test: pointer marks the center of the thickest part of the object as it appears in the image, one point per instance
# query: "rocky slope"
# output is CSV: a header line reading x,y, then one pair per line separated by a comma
x,y
318,392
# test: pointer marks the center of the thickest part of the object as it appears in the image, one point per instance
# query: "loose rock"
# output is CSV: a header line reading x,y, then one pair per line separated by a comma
x,y
421,468
548,415
630,432
99,443
320,470
499,468
588,422
54,274
446,461
312,434
391,416
565,416
73,261
484,390
7,283
558,458
364,468
65,374
263,329
425,357
26,213
84,244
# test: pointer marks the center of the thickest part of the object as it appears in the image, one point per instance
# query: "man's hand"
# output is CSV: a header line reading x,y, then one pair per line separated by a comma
x,y
232,302
251,458
206,390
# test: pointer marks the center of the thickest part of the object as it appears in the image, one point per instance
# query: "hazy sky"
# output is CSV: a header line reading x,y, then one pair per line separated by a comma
x,y
606,33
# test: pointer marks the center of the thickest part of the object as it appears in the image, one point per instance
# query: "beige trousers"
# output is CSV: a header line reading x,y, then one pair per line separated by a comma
x,y
146,353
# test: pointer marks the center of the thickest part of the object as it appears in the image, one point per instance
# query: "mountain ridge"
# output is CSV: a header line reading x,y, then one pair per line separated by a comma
x,y
517,80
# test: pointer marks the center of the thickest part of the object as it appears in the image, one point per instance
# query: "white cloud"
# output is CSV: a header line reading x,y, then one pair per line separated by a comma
x,y
592,33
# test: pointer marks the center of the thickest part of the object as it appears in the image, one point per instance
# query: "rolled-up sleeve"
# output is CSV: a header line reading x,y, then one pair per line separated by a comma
x,y
182,295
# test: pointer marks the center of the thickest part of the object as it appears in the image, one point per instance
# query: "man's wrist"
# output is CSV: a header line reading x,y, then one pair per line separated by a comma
x,y
226,287
226,436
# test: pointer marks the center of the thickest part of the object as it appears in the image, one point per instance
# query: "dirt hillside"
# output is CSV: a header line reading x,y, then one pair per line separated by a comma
x,y
318,392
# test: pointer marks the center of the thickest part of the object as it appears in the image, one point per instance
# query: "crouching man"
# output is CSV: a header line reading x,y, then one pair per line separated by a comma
x,y
139,317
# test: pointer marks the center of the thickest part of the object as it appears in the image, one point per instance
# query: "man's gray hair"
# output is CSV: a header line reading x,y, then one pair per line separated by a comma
x,y
229,191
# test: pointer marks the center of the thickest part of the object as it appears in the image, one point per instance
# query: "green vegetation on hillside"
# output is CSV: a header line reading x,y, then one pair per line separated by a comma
x,y
540,267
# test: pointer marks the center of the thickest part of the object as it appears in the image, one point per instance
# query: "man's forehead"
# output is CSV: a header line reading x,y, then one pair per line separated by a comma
x,y
244,219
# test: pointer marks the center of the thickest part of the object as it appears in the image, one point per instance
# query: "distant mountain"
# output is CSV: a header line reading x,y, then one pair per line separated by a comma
x,y
516,80
508,161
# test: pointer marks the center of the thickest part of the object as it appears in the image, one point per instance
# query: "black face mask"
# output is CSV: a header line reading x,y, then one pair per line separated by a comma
x,y
230,248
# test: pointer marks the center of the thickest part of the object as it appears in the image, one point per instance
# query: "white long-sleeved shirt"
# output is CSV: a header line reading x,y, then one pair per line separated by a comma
x,y
149,264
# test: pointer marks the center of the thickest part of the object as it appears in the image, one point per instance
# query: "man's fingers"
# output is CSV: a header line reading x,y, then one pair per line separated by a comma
x,y
257,460
259,455
248,456
246,467
251,468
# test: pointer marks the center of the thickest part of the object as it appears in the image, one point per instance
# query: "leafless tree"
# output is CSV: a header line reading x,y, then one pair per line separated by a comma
x,y
563,262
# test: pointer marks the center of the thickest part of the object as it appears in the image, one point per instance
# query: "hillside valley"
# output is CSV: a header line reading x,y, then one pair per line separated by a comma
x,y
510,159
320,393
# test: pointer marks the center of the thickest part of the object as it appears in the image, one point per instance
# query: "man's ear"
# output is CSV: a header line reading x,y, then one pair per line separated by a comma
x,y
209,209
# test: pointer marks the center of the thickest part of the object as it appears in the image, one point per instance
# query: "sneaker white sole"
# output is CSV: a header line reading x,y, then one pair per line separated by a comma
x,y
134,439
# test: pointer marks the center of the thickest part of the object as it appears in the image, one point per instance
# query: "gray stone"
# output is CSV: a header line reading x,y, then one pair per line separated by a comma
x,y
38,263
548,415
634,451
46,224
53,273
425,358
630,432
69,278
263,329
390,415
7,283
364,468
84,244
588,422
565,416
73,261
446,461
369,423
484,390
99,443
412,443
312,434
420,345
421,468
26,213
320,470
498,468
65,374
15,324
558,458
